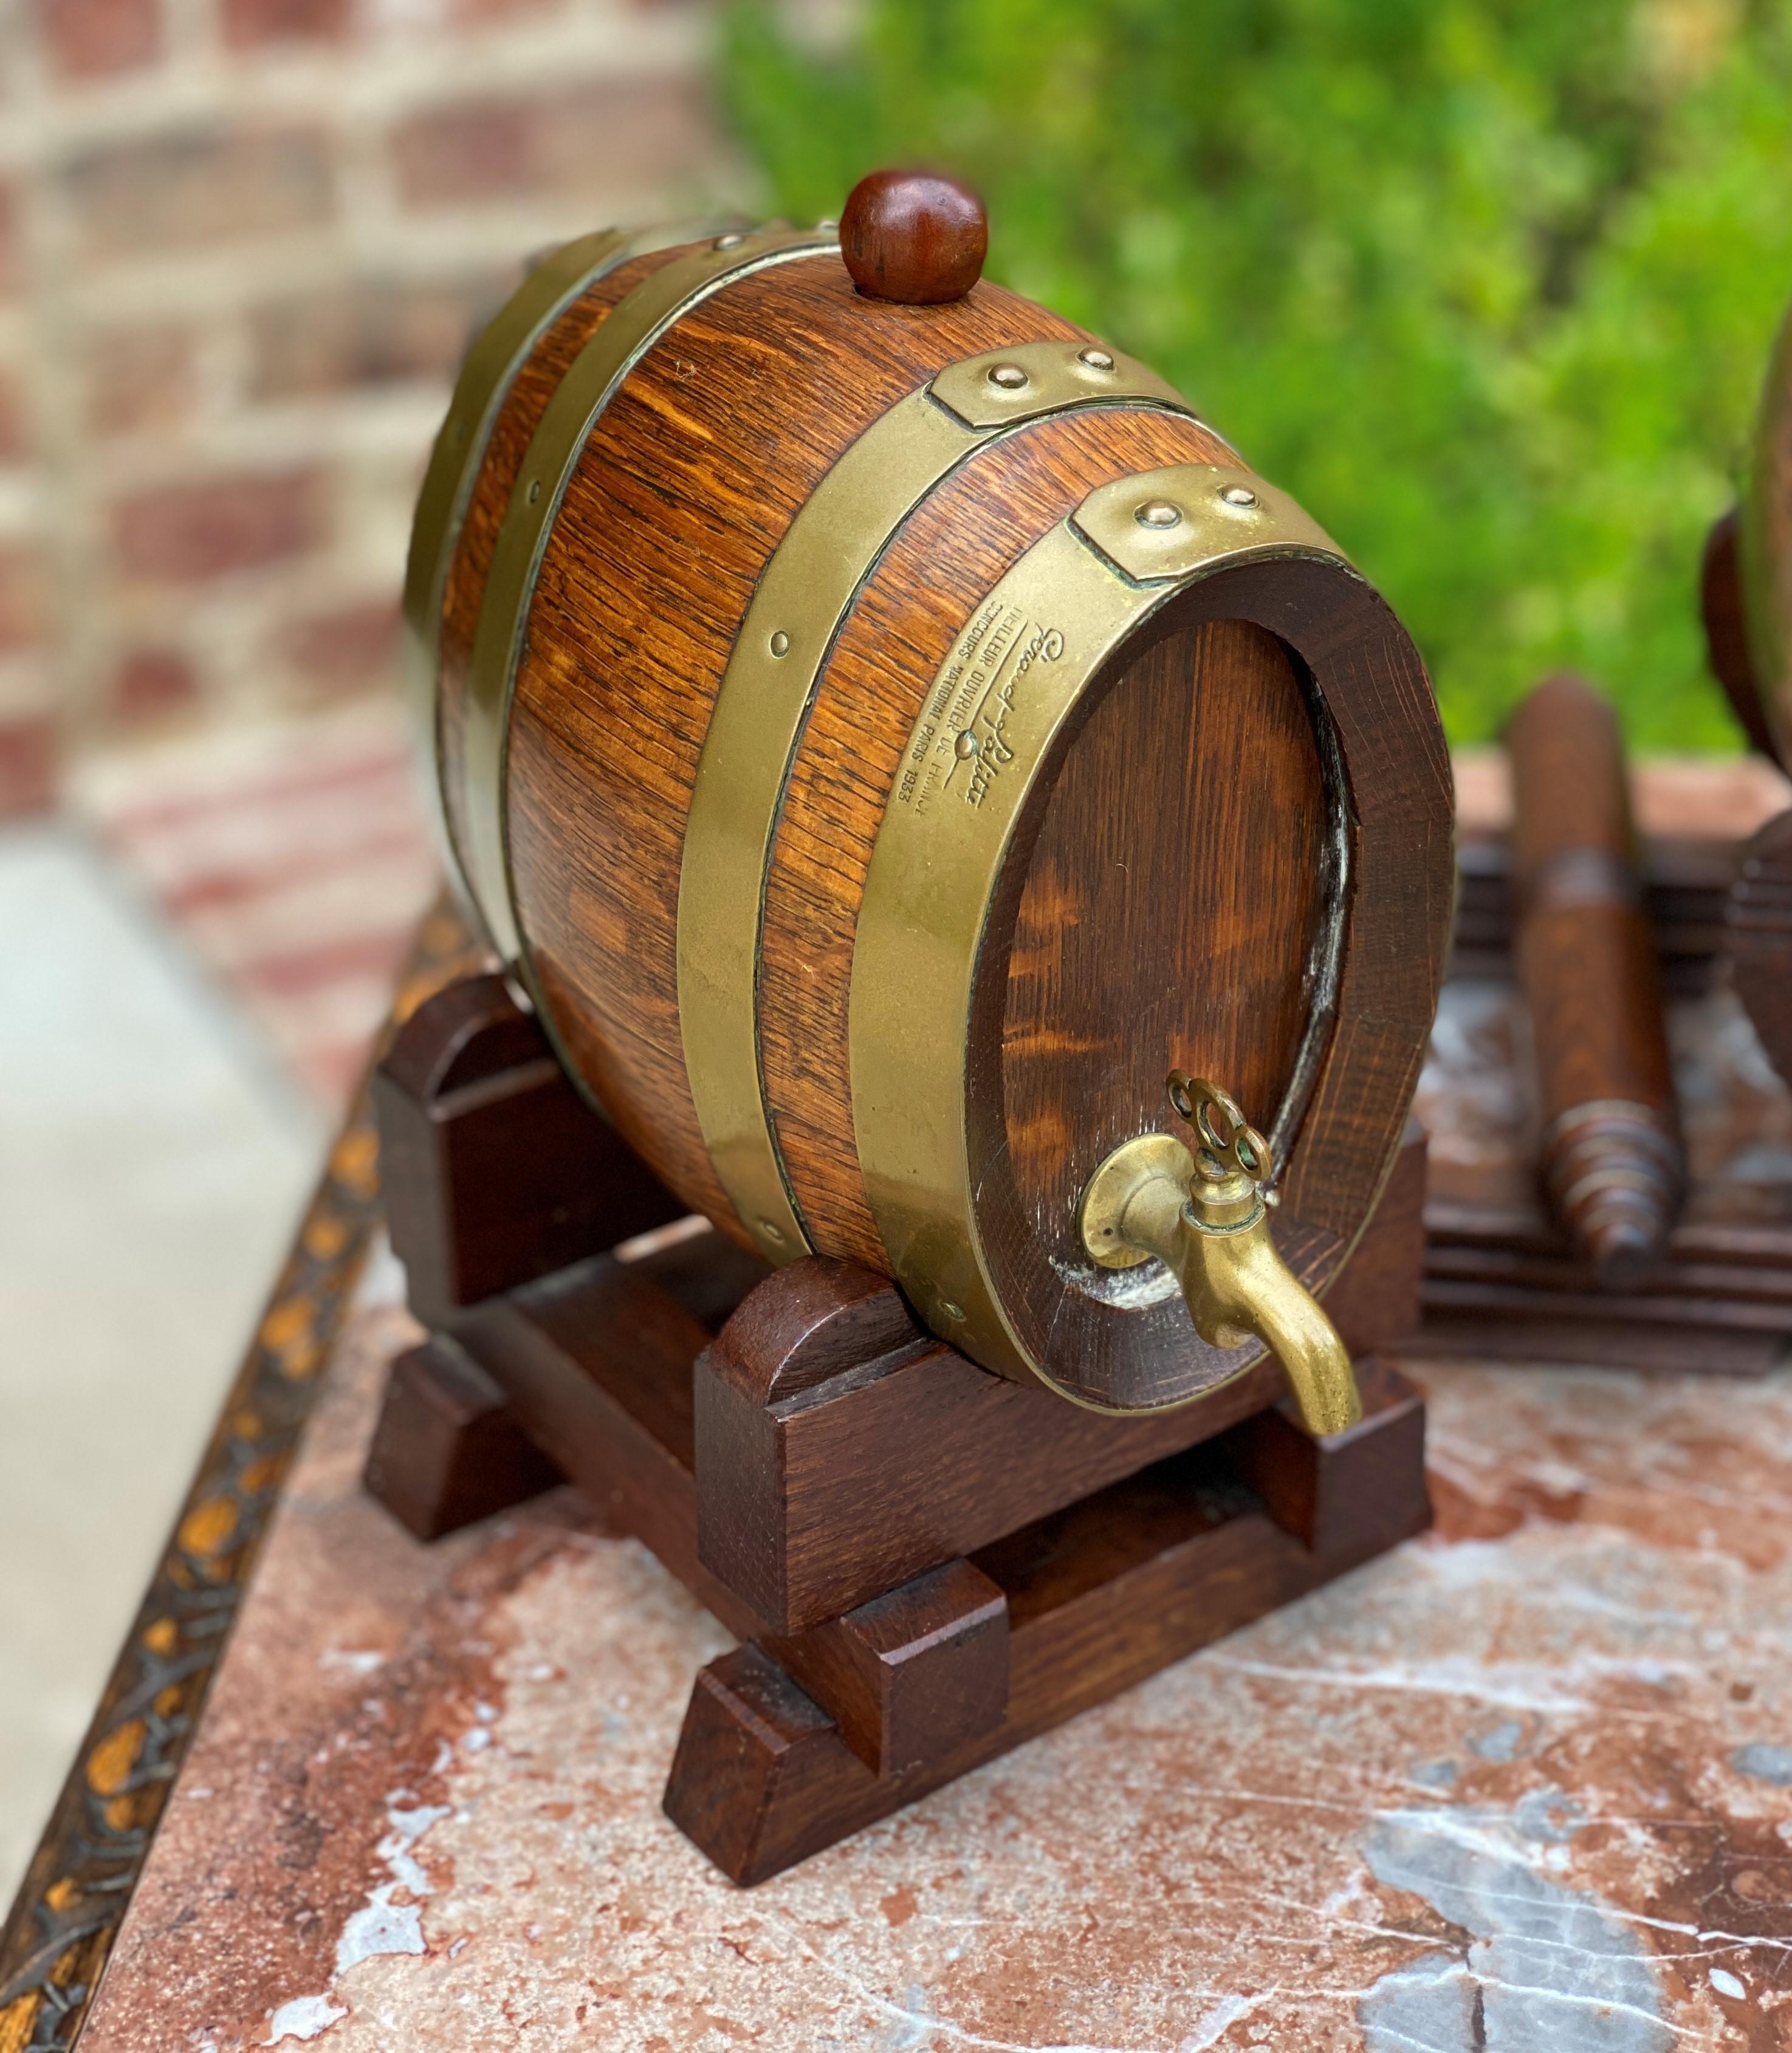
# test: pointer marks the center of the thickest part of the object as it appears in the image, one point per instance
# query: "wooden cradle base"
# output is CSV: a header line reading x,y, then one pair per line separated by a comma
x,y
926,1564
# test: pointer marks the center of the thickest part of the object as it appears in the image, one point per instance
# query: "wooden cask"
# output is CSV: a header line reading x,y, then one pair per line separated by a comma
x,y
885,738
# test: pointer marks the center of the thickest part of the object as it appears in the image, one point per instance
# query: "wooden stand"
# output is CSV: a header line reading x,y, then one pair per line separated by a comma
x,y
926,1564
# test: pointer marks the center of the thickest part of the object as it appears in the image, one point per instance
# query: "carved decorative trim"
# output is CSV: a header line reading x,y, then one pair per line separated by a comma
x,y
57,1937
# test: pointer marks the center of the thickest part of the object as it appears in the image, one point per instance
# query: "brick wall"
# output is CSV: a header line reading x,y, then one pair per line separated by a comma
x,y
242,244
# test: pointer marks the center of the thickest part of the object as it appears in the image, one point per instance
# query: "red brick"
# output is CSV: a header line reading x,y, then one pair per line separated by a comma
x,y
21,598
199,186
476,150
140,378
15,437
28,764
182,533
616,135
374,332
91,38
149,684
249,24
350,650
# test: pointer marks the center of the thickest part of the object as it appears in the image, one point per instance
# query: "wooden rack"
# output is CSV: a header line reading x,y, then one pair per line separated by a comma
x,y
926,1565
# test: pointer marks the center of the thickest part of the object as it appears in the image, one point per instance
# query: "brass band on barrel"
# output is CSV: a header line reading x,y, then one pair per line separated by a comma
x,y
1012,679
831,548
629,331
479,390
455,460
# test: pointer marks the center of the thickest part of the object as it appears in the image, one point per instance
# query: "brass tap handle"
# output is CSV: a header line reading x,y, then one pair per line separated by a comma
x,y
1206,1216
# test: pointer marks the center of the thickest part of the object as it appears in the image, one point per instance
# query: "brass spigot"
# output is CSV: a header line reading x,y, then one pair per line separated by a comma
x,y
1204,1215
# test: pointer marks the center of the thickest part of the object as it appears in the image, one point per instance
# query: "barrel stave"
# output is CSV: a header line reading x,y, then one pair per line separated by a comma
x,y
1174,898
525,402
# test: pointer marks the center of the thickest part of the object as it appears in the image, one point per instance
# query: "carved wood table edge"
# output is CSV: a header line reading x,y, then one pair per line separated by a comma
x,y
78,1882
54,1946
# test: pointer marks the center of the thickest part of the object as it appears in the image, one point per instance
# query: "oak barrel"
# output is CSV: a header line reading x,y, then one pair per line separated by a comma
x,y
885,738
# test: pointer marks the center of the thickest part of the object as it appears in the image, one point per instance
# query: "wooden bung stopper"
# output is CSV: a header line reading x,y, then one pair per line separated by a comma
x,y
914,236
1612,1160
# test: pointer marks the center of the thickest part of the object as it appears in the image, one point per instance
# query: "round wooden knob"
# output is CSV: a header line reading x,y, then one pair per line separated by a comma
x,y
914,236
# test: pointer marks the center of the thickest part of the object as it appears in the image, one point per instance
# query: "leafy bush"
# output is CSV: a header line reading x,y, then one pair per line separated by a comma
x,y
1489,284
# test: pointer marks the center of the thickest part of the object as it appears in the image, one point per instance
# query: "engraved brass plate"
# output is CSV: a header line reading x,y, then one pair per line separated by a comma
x,y
484,378
830,548
1011,680
631,328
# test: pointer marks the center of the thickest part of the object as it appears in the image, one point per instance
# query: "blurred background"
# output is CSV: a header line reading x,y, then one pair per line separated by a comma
x,y
1489,284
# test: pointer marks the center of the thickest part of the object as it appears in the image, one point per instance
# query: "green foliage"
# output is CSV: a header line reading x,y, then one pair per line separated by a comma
x,y
1489,284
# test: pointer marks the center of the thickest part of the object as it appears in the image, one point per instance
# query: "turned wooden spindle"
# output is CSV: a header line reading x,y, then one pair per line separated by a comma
x,y
1612,1159
914,238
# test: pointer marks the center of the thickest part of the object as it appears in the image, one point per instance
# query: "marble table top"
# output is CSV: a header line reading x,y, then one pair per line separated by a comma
x,y
1523,1786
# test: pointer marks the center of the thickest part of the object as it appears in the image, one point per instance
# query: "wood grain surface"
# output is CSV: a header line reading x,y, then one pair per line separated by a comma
x,y
525,402
449,1449
1172,902
495,1170
684,489
1098,1596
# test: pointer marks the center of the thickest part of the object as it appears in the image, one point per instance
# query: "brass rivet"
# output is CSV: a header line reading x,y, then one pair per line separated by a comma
x,y
1097,359
1009,377
951,1310
728,242
772,1233
1239,495
1159,514
534,490
781,643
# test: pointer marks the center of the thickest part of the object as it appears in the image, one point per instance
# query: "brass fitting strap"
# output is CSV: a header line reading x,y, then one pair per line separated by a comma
x,y
629,331
1010,683
562,277
807,588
